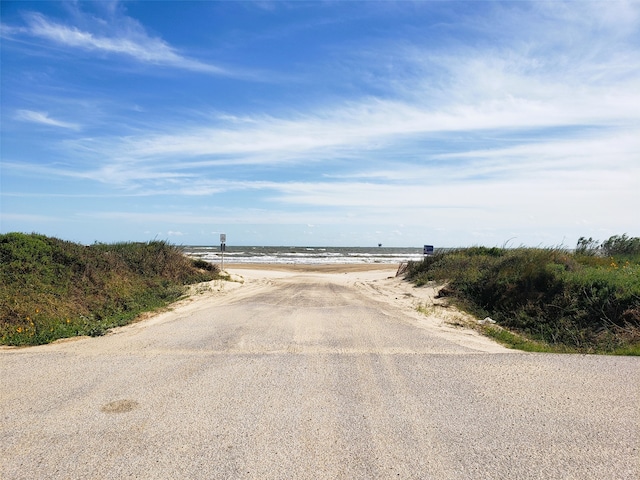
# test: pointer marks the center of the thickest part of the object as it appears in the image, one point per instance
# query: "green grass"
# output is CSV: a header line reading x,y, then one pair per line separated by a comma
x,y
51,289
568,301
518,342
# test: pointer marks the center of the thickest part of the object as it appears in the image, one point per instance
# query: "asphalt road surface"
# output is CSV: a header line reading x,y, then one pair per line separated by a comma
x,y
312,376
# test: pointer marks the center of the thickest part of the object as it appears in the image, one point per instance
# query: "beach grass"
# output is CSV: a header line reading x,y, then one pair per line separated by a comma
x,y
573,301
51,288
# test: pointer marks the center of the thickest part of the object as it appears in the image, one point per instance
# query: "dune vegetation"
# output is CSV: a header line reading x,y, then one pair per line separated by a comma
x,y
51,289
547,299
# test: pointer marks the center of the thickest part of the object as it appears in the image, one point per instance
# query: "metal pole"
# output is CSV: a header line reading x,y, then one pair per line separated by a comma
x,y
223,240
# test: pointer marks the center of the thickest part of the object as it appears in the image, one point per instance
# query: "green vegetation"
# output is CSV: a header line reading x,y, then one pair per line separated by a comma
x,y
51,289
549,299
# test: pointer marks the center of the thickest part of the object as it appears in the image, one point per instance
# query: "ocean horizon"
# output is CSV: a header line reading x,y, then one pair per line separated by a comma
x,y
305,255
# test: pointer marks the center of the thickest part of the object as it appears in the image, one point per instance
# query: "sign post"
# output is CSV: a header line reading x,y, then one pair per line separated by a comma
x,y
223,247
428,250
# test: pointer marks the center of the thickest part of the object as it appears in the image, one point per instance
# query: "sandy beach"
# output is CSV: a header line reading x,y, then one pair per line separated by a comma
x,y
313,372
320,268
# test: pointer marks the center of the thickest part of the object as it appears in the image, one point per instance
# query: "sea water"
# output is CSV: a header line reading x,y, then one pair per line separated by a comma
x,y
305,255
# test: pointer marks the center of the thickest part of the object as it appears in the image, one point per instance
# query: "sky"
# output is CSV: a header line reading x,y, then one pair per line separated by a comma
x,y
321,123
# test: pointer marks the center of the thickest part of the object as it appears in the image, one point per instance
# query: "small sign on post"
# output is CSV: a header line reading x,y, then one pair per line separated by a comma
x,y
223,247
428,249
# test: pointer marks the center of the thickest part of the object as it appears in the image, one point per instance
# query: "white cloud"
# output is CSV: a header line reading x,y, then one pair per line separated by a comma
x,y
386,131
124,36
44,119
28,217
363,126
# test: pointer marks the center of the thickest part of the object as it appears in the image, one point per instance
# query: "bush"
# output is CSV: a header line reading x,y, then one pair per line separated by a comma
x,y
50,288
617,245
573,300
621,245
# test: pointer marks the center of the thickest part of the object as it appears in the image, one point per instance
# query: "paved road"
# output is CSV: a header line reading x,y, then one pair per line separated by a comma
x,y
311,377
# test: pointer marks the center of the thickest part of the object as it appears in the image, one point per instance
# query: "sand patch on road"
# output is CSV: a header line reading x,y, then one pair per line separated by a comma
x,y
380,283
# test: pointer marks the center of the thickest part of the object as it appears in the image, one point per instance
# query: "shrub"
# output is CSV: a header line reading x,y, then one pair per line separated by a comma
x,y
50,288
621,245
574,300
587,246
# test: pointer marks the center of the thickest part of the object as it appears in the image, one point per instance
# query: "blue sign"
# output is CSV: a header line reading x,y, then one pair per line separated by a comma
x,y
428,249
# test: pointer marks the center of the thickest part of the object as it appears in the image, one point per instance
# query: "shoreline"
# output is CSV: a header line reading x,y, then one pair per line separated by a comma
x,y
314,268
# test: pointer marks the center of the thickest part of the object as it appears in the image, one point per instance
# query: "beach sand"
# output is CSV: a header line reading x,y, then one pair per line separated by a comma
x,y
320,268
380,283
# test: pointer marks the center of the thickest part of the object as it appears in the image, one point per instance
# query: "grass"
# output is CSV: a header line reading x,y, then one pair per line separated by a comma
x,y
518,342
51,288
561,300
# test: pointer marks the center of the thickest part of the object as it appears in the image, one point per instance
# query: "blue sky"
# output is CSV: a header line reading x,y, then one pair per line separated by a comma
x,y
321,123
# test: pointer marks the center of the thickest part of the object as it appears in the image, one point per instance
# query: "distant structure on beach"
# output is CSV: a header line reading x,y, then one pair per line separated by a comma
x,y
379,244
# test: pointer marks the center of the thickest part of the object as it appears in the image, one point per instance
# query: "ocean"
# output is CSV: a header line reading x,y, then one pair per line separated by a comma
x,y
305,255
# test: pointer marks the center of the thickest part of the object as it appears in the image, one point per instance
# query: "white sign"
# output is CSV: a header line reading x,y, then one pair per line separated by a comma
x,y
223,238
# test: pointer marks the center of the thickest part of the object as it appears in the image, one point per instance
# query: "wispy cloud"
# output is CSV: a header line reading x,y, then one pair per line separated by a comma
x,y
375,128
44,119
472,89
469,90
131,41
26,217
